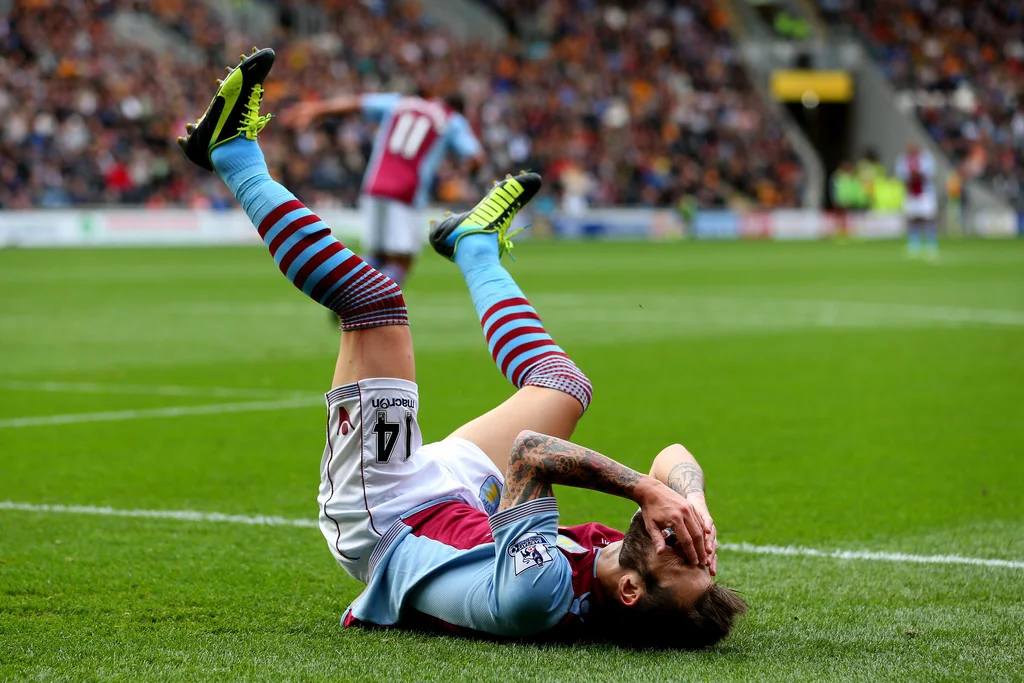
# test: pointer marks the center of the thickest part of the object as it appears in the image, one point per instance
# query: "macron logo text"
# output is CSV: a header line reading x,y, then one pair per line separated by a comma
x,y
392,402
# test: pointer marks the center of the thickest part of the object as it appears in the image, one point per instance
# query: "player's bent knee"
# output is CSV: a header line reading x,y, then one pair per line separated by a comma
x,y
561,374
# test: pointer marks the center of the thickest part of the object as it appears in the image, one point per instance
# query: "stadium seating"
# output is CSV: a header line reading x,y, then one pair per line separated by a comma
x,y
962,64
648,105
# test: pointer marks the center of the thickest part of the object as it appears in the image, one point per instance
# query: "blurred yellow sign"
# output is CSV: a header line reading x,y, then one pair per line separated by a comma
x,y
799,84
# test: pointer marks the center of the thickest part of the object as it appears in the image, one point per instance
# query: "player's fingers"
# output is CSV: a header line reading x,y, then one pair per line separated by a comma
x,y
705,520
657,536
686,540
709,537
697,535
687,547
714,565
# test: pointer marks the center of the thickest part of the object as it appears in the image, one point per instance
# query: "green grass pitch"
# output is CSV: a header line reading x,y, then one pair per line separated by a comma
x,y
839,398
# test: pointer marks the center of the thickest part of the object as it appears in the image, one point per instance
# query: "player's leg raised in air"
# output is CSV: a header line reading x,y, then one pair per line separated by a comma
x,y
553,392
369,304
372,407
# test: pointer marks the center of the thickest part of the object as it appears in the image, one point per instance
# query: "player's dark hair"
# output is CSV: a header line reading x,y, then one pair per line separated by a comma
x,y
456,102
656,620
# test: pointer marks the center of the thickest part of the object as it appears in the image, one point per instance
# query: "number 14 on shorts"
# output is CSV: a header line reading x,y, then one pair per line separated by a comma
x,y
388,434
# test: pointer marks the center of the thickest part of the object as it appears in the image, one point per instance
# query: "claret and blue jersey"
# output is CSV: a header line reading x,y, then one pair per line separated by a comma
x,y
512,574
412,139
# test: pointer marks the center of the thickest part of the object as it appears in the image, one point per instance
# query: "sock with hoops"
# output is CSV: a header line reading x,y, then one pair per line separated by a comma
x,y
516,338
304,248
395,271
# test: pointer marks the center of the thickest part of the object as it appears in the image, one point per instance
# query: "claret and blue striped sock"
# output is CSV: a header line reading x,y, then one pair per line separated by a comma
x,y
520,346
304,248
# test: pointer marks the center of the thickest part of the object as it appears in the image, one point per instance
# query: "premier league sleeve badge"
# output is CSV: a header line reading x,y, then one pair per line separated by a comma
x,y
528,551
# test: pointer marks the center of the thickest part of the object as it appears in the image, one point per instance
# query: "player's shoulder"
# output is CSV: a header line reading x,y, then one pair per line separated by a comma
x,y
439,113
534,586
591,535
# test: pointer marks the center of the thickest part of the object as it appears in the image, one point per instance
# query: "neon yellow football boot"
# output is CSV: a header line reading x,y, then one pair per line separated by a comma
x,y
233,111
493,214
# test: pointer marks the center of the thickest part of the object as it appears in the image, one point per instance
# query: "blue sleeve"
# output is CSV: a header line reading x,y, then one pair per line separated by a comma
x,y
462,139
901,171
378,105
532,585
928,166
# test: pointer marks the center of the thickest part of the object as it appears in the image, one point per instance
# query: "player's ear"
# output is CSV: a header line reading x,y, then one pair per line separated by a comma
x,y
631,588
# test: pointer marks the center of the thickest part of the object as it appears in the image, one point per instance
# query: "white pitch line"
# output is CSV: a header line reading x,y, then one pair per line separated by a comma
x,y
261,520
153,390
811,309
174,411
180,515
763,312
868,555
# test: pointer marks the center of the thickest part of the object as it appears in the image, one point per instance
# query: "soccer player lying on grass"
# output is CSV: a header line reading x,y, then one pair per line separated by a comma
x,y
462,535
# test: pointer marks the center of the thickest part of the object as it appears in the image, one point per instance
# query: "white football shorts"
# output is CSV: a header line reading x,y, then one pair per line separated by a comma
x,y
375,468
389,226
921,207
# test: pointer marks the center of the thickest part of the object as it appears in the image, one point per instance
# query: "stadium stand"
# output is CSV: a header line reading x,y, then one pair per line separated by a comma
x,y
647,105
962,64
662,105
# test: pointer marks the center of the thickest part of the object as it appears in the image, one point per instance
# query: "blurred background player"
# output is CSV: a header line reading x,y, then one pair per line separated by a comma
x,y
413,137
916,168
954,204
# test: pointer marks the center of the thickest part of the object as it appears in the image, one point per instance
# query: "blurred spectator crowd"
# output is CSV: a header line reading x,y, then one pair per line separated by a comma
x,y
962,64
616,103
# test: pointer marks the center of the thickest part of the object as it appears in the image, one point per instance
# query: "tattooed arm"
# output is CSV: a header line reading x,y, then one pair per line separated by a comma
x,y
539,461
678,469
